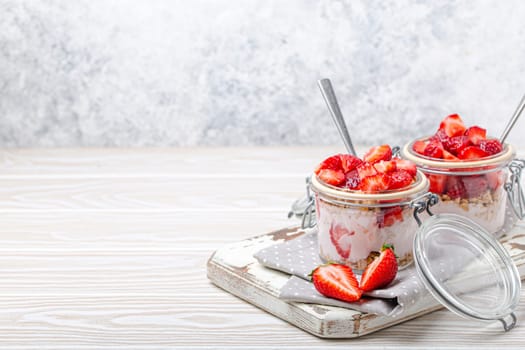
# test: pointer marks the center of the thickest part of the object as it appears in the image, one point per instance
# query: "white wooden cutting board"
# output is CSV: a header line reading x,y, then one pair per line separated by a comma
x,y
234,269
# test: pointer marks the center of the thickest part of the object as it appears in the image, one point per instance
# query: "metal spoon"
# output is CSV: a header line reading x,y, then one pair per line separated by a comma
x,y
513,120
331,101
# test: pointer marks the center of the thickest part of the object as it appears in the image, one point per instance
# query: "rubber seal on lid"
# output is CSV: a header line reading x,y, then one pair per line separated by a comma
x,y
466,269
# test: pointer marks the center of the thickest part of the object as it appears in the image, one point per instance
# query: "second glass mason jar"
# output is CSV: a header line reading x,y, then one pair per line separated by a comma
x,y
472,188
353,225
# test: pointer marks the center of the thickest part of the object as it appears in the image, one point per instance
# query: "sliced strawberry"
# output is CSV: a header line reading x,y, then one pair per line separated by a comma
x,y
455,187
440,135
456,144
332,163
491,146
332,177
385,166
341,239
365,170
434,149
400,179
495,179
449,156
336,281
475,134
475,186
452,125
407,165
352,180
377,153
381,271
437,183
349,162
419,146
472,153
375,183
388,217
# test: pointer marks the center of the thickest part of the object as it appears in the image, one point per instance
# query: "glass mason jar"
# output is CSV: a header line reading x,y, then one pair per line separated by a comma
x,y
353,225
472,188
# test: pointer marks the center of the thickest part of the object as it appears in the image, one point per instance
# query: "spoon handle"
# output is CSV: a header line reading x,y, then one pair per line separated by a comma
x,y
331,101
513,120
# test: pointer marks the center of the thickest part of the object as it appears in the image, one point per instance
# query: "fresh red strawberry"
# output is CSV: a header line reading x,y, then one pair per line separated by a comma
x,y
452,125
494,179
365,170
349,162
475,134
491,146
331,163
381,271
455,187
449,156
341,239
419,146
437,183
388,217
403,164
375,183
332,177
385,166
475,186
456,144
336,281
440,135
399,179
377,153
434,149
472,153
352,180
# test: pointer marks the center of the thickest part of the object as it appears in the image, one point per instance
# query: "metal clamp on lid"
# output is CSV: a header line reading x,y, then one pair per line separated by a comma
x,y
304,208
514,188
423,203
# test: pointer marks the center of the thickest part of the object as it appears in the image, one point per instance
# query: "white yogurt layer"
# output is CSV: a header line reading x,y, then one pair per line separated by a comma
x,y
359,233
488,210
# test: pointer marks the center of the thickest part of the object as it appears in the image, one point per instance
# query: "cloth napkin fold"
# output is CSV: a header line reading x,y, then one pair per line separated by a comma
x,y
298,257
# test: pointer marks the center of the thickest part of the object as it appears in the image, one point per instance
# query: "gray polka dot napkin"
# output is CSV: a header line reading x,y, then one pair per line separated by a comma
x,y
298,257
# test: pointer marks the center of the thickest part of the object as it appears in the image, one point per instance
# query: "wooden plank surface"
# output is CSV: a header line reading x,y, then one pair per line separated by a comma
x,y
107,249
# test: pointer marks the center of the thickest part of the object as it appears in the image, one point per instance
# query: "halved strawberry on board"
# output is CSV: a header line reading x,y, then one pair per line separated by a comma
x,y
452,125
377,153
336,281
381,271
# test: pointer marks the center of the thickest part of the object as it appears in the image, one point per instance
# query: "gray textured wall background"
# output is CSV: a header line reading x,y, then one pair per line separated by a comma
x,y
244,72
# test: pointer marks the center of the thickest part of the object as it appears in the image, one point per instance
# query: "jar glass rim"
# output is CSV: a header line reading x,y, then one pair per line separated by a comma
x,y
500,159
420,185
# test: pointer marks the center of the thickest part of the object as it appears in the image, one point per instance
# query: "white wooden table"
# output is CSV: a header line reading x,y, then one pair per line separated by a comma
x,y
107,249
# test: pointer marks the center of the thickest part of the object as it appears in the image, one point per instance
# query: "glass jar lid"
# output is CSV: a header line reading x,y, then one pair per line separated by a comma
x,y
467,269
